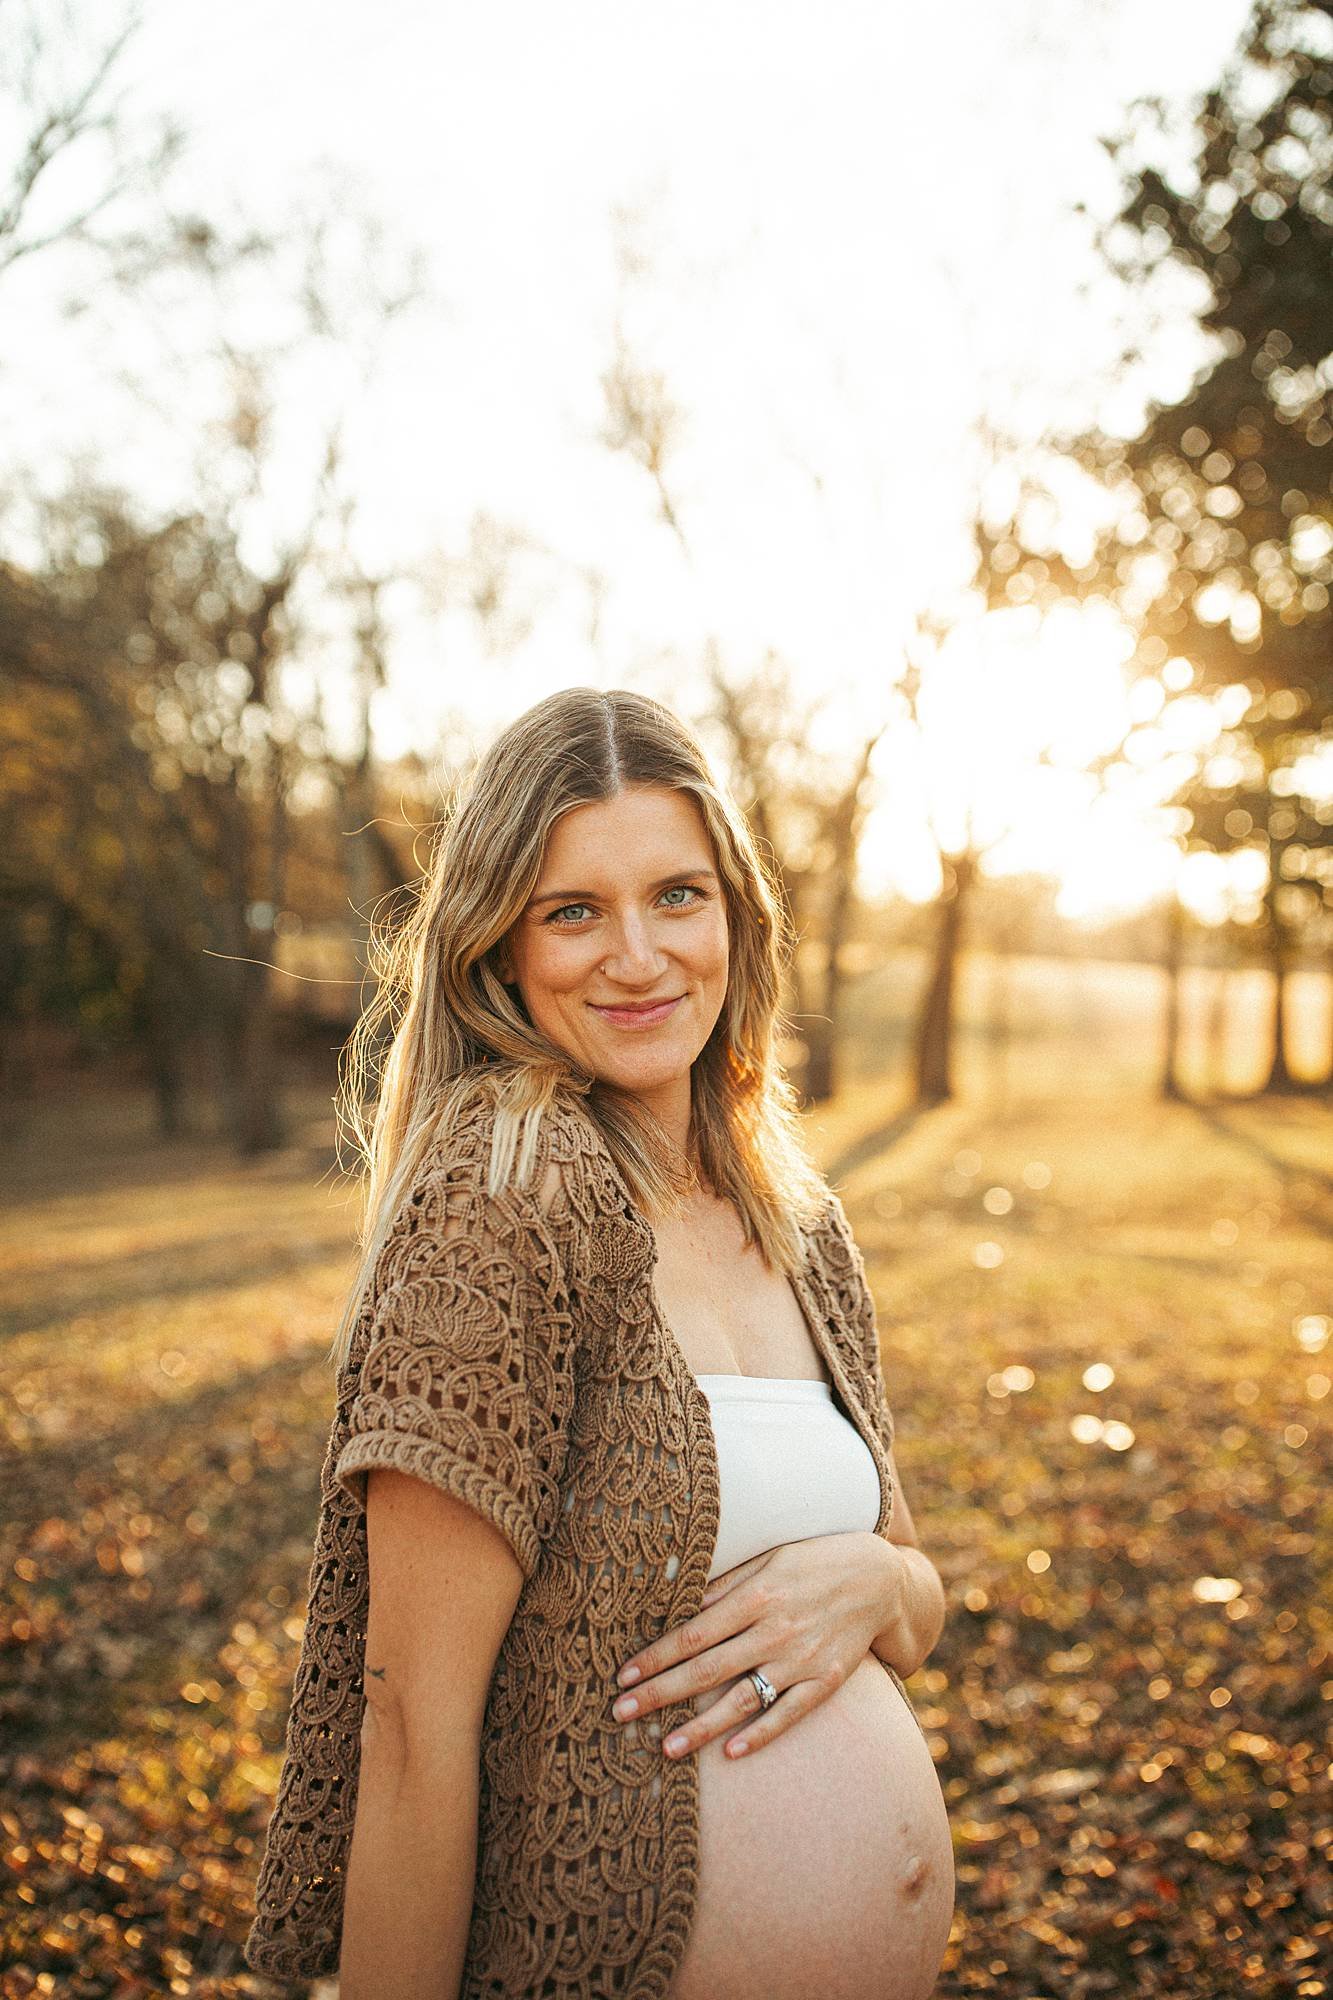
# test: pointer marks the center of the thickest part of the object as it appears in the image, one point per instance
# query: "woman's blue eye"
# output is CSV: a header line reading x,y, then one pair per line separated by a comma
x,y
559,917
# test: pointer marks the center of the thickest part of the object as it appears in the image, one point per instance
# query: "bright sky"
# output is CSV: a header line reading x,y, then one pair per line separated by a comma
x,y
859,235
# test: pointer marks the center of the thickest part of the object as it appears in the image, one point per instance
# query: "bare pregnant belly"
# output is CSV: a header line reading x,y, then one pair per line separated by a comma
x,y
825,1859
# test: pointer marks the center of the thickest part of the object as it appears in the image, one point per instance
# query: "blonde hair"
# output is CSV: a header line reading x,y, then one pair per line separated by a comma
x,y
453,1026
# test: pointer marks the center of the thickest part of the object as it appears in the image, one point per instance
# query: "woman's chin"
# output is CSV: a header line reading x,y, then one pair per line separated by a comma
x,y
641,1074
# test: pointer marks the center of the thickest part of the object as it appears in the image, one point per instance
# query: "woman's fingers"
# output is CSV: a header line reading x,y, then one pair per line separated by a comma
x,y
713,1667
741,1705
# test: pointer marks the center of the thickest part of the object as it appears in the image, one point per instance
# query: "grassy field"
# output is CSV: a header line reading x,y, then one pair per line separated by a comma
x,y
1107,1335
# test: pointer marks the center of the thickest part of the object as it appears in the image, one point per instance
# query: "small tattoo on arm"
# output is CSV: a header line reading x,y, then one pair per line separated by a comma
x,y
379,1672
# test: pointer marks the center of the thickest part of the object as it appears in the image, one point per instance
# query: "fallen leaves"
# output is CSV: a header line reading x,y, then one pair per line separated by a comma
x,y
1133,1734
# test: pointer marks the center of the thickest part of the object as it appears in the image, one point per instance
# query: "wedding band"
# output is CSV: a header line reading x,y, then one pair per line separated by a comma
x,y
763,1687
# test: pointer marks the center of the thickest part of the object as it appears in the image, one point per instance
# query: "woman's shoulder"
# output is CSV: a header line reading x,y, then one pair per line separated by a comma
x,y
454,1200
482,1147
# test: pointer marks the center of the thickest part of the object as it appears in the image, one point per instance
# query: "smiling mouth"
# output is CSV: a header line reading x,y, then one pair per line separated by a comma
x,y
646,1011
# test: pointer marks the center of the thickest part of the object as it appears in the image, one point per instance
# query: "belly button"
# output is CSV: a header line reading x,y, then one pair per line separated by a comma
x,y
915,1876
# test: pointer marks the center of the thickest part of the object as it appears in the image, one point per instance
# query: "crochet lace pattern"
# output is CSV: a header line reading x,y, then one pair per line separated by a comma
x,y
510,1350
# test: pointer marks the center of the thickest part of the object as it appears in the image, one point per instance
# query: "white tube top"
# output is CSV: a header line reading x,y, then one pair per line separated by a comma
x,y
790,1465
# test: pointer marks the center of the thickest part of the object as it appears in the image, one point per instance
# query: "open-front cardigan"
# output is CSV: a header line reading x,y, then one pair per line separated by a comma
x,y
511,1350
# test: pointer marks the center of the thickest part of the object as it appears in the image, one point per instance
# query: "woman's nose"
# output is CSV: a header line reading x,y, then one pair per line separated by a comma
x,y
635,954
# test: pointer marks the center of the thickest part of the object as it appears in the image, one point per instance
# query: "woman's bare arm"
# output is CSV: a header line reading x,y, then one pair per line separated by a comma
x,y
444,1583
920,1609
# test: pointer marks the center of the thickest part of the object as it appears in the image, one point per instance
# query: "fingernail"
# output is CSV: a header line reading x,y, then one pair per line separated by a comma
x,y
627,1676
737,1749
627,1705
673,1744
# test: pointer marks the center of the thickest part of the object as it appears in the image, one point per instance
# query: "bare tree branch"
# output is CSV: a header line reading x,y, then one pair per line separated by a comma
x,y
59,119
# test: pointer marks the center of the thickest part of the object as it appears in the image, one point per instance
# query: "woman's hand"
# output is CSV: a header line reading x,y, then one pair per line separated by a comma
x,y
804,1613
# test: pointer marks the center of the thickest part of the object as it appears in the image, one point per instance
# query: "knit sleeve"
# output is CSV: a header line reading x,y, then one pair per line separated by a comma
x,y
859,1304
463,1376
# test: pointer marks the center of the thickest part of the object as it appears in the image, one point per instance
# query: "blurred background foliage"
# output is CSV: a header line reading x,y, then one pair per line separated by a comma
x,y
191,846
1087,1156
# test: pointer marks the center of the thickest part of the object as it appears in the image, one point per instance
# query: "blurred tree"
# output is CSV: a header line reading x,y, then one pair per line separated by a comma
x,y
933,1036
807,811
168,650
154,802
93,839
57,87
1222,555
960,860
1173,960
374,862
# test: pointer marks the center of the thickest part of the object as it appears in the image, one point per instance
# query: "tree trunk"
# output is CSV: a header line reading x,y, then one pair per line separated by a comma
x,y
250,1079
1216,1033
165,1051
1279,1080
823,1034
820,1079
262,1129
254,1116
935,1030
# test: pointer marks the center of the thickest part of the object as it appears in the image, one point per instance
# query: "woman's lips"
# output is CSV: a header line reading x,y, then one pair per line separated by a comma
x,y
637,1017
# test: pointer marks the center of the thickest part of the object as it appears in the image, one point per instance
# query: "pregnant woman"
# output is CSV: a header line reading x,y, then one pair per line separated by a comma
x,y
609,1398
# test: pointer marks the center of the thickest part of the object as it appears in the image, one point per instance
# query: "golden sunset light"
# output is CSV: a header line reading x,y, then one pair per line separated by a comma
x,y
667,944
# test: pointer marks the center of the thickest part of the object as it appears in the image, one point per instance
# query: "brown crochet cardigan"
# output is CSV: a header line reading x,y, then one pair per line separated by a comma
x,y
514,1354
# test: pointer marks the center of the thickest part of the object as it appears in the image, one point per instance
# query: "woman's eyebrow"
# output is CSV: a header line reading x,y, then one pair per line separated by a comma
x,y
593,895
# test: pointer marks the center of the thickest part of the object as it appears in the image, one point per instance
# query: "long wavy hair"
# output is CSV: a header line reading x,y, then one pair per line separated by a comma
x,y
443,1024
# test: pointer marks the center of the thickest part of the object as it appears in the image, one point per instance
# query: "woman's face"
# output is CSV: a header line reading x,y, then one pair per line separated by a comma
x,y
621,952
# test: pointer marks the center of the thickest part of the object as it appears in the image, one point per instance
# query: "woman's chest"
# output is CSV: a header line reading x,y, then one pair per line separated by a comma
x,y
727,1310
640,1508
